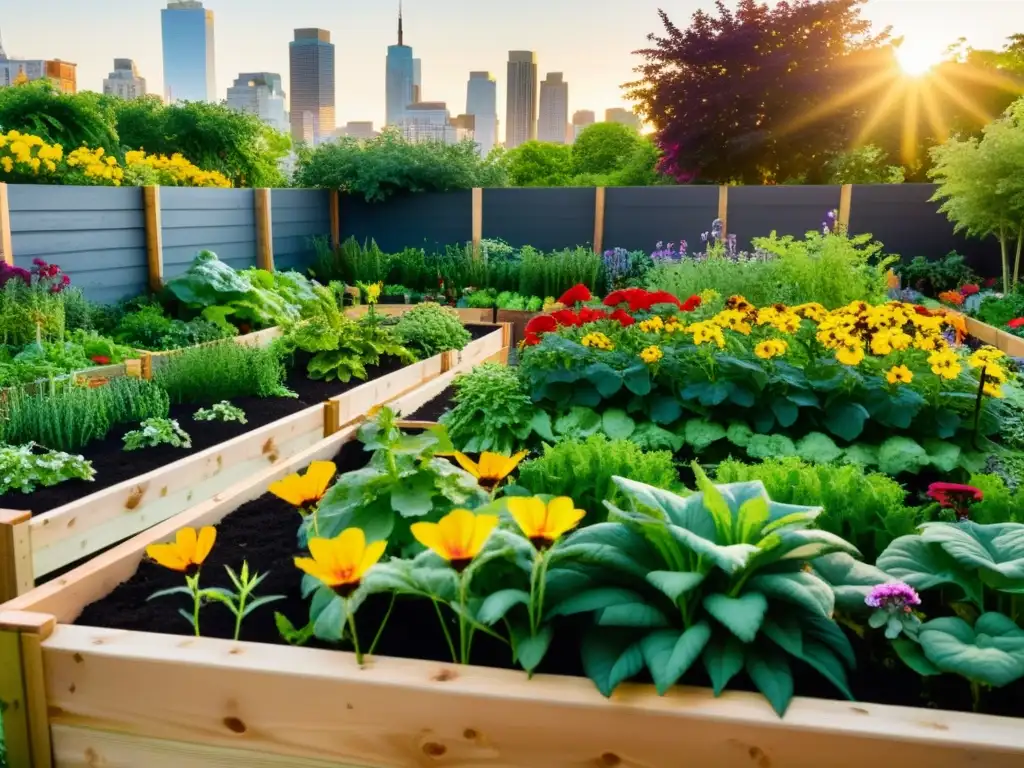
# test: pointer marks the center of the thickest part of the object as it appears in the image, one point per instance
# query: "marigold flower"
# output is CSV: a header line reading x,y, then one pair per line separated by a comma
x,y
340,563
457,537
653,325
597,341
187,552
492,467
770,348
305,490
945,363
651,354
707,333
543,524
899,374
850,353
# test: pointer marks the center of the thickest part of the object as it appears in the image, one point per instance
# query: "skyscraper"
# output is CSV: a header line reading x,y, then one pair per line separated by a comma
x,y
623,116
482,104
187,30
125,81
260,94
553,121
417,80
400,78
581,118
521,106
311,56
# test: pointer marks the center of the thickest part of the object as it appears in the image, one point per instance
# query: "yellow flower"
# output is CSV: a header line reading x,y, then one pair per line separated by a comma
x,y
984,356
991,389
7,163
188,551
651,354
492,468
850,353
598,341
734,320
881,343
340,563
944,363
812,311
766,350
900,341
373,292
305,490
707,333
543,524
654,325
457,537
928,343
899,374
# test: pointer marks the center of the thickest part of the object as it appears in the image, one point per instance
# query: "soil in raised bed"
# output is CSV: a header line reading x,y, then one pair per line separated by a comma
x,y
114,466
263,532
433,409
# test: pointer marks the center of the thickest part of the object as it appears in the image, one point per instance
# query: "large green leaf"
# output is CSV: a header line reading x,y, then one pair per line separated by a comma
x,y
846,419
632,615
595,600
675,583
606,380
637,379
851,580
731,559
912,655
785,411
992,652
997,548
723,659
617,424
925,565
413,496
770,672
742,615
665,409
670,653
531,649
497,604
752,517
804,589
611,656
786,632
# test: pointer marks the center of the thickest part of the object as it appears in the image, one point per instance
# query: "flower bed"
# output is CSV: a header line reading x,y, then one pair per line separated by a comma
x,y
74,519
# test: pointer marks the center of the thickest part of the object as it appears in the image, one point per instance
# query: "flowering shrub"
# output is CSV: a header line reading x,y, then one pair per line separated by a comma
x,y
685,372
173,171
24,157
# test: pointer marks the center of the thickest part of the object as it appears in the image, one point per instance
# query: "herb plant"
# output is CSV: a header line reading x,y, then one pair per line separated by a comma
x,y
27,467
933,276
217,372
222,411
156,432
429,329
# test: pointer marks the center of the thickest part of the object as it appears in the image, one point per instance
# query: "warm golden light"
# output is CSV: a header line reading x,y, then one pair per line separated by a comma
x,y
917,59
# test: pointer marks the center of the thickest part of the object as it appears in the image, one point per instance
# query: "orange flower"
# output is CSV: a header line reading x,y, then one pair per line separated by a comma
x,y
188,551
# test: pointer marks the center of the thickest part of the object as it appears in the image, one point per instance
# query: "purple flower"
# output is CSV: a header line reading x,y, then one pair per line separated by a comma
x,y
896,596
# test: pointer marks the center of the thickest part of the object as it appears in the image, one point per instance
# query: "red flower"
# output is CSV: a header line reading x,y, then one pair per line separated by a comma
x,y
923,311
970,289
530,339
619,297
1016,323
691,303
623,318
567,317
990,282
577,294
639,299
541,324
100,359
956,497
664,297
588,315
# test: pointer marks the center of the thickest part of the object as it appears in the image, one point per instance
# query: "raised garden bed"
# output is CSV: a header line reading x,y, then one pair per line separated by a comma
x,y
1001,340
518,318
467,316
34,545
123,697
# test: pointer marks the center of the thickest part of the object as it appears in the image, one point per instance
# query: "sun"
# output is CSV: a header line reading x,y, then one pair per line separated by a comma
x,y
917,59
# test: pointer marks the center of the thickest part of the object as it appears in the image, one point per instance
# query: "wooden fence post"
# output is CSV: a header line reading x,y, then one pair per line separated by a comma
x,y
26,727
16,577
845,198
478,220
335,207
599,220
264,230
154,237
6,249
332,417
723,209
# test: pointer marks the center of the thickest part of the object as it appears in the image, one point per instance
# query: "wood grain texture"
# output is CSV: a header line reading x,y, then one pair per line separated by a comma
x,y
15,554
478,220
723,208
599,198
335,214
264,230
6,249
845,200
320,705
154,237
982,331
13,700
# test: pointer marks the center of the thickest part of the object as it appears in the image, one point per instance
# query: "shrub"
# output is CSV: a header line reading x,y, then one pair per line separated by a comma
x,y
492,411
429,329
69,417
222,371
933,277
583,470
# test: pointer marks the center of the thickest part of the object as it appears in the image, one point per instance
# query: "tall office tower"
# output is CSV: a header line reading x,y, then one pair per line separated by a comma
x,y
417,80
553,117
581,118
260,94
624,116
125,81
400,78
431,121
311,56
521,106
482,104
189,73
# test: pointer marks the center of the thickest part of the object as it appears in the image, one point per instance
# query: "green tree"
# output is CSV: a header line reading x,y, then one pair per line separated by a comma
x,y
388,165
70,120
981,185
539,164
604,148
864,165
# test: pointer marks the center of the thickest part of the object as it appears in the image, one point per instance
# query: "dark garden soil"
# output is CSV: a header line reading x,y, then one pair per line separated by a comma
x,y
263,532
432,410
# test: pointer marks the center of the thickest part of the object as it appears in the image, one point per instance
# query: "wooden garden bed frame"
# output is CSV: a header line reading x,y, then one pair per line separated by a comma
x,y
989,334
80,696
34,546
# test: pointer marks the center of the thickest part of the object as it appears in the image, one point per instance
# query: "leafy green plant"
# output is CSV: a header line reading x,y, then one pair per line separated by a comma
x,y
865,508
222,411
933,276
484,299
429,329
492,412
156,432
982,568
999,311
584,470
238,601
26,467
552,274
1000,504
149,328
222,371
67,416
717,576
342,349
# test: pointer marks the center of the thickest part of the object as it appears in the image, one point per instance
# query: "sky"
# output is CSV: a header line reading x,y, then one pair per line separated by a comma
x,y
591,41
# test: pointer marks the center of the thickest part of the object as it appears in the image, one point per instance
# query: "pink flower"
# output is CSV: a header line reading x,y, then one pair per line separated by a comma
x,y
956,497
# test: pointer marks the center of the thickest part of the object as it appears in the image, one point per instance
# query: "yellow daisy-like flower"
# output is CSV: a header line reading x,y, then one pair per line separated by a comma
x,y
651,355
944,363
187,552
850,353
770,348
812,311
457,537
707,333
597,341
492,467
900,341
985,356
654,325
543,524
305,490
340,563
881,343
899,374
992,389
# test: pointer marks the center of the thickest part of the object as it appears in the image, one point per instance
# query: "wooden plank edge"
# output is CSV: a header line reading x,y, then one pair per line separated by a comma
x,y
26,729
16,576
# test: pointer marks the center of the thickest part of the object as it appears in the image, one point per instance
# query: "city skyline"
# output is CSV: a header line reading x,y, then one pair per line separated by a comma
x,y
591,42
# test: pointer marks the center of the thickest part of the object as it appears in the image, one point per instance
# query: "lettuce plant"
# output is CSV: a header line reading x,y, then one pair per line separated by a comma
x,y
25,467
719,576
429,329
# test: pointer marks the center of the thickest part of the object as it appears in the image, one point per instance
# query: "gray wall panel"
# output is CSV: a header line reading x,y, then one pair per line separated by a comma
x,y
788,210
298,216
548,218
218,220
431,220
637,218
